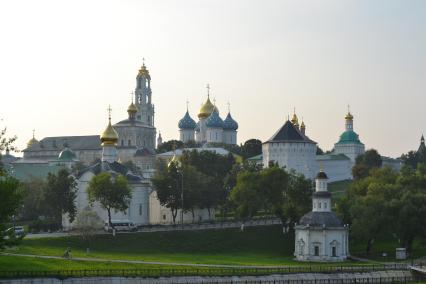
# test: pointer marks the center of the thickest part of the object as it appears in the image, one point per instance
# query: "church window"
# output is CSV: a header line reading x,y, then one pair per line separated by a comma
x,y
325,205
140,209
122,142
316,250
319,205
129,142
333,251
164,216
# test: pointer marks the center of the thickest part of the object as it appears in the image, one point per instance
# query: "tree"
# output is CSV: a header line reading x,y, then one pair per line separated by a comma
x,y
251,148
33,203
6,143
60,195
364,163
167,187
88,223
246,195
10,202
111,191
170,145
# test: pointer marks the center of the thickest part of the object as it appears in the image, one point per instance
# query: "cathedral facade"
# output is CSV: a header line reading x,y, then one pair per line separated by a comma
x,y
137,134
210,128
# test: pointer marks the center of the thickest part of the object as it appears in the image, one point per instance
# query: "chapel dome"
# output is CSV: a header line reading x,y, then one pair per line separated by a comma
x,y
66,155
144,72
132,108
349,116
187,122
109,136
317,219
32,142
206,109
349,137
214,120
229,123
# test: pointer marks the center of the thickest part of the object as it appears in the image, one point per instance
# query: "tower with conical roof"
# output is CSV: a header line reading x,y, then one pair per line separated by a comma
x,y
320,235
349,143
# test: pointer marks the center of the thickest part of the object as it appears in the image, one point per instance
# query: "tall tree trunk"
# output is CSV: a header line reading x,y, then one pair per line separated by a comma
x,y
369,245
174,213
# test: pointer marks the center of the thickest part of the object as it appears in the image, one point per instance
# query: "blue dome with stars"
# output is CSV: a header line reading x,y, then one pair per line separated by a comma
x,y
187,122
214,120
229,123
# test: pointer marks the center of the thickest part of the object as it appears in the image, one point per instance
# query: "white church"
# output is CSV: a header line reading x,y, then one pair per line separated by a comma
x,y
320,235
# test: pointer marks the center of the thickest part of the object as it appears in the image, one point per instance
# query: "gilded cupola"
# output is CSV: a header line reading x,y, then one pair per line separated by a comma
x,y
109,137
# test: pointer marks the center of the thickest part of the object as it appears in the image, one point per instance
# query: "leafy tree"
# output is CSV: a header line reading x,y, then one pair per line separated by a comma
x,y
170,145
364,163
33,203
88,223
246,195
6,143
60,194
111,191
251,148
167,186
10,201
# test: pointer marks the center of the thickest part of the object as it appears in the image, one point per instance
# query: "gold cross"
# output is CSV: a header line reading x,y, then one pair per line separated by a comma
x,y
208,90
109,112
33,132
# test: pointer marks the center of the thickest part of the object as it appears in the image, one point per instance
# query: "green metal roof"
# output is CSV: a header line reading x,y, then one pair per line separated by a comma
x,y
349,137
66,155
25,172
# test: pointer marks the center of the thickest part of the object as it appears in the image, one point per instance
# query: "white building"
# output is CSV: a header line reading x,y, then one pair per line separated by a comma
x,y
320,235
210,128
292,149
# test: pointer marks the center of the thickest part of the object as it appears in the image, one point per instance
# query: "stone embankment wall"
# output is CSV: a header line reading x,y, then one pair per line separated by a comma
x,y
305,278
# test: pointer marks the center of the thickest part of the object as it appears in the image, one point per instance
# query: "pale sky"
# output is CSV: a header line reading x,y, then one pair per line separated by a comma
x,y
63,62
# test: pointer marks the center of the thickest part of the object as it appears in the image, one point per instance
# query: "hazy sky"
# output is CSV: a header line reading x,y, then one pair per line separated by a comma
x,y
63,62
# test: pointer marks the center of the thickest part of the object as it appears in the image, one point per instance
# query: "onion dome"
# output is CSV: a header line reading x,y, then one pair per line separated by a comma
x,y
229,123
144,72
349,116
66,155
132,108
302,126
295,120
321,175
32,141
214,120
206,109
109,137
187,122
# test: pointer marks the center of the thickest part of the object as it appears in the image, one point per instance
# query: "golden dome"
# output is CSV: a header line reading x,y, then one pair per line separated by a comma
x,y
302,125
109,136
206,109
132,108
295,120
143,71
349,116
32,142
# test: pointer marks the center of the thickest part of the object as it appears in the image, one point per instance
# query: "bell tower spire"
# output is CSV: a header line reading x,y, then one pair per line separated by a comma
x,y
143,96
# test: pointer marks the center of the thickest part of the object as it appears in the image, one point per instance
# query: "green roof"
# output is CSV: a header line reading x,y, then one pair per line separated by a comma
x,y
349,137
24,172
256,158
66,155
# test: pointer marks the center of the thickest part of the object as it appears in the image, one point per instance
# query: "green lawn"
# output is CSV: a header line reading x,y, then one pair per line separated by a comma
x,y
255,246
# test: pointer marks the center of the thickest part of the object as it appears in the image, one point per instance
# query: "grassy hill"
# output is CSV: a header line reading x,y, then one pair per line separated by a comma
x,y
255,246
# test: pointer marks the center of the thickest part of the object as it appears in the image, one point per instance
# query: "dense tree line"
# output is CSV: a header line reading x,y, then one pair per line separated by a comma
x,y
387,203
250,148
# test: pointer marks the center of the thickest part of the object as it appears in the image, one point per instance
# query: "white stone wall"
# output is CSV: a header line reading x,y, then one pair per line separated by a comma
x,y
214,135
352,151
136,136
230,137
307,238
336,169
186,135
201,135
297,156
